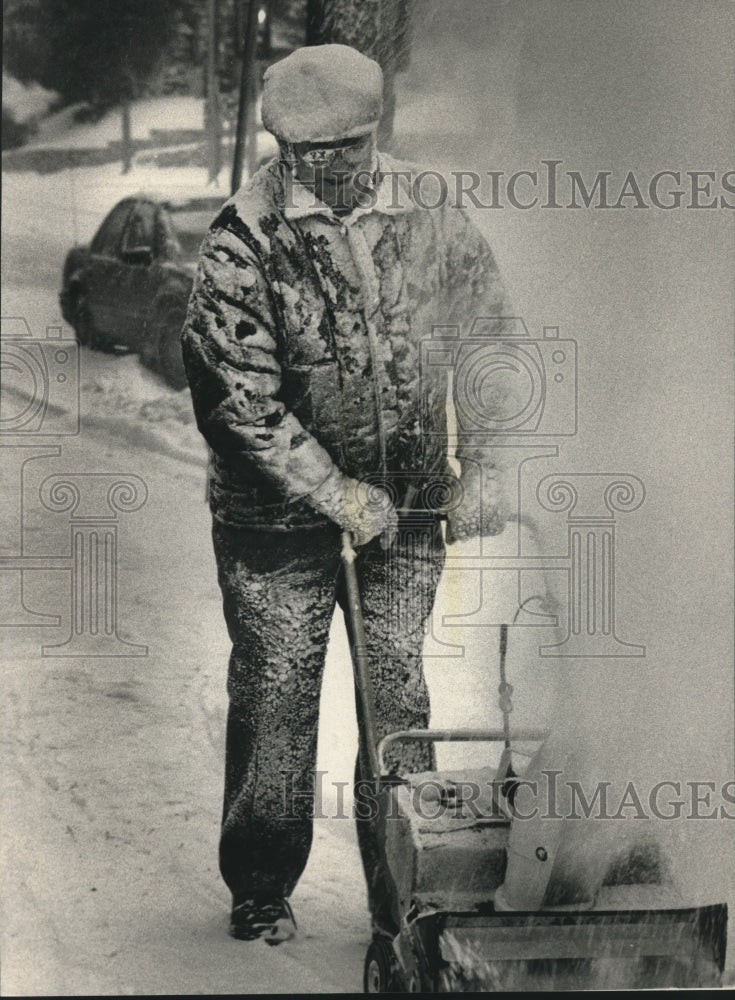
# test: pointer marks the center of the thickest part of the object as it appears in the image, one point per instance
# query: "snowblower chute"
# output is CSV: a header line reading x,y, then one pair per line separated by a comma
x,y
483,901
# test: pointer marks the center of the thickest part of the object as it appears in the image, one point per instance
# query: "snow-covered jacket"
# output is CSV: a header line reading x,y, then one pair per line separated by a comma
x,y
303,340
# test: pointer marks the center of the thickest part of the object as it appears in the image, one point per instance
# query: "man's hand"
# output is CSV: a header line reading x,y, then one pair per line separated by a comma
x,y
478,512
366,511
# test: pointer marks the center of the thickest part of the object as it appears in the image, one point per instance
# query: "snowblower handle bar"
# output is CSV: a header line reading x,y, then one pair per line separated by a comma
x,y
456,736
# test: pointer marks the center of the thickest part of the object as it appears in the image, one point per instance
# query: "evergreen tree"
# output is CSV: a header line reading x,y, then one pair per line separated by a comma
x,y
98,51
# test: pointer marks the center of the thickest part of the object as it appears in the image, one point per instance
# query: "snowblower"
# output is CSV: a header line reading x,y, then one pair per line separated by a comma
x,y
483,898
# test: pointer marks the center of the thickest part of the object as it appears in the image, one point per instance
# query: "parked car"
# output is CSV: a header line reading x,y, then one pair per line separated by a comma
x,y
130,287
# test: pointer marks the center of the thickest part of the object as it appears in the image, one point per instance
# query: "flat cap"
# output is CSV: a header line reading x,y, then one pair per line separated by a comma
x,y
322,92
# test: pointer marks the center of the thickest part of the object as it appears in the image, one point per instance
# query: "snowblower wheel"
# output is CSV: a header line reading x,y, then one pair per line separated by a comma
x,y
381,974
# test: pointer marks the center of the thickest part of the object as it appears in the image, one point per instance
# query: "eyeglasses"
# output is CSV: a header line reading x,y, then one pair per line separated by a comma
x,y
352,151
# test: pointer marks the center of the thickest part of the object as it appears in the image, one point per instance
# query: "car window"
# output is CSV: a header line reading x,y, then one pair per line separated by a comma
x,y
107,240
141,228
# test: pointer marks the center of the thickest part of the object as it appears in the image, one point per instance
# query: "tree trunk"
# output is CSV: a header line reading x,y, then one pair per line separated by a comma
x,y
245,135
379,28
213,121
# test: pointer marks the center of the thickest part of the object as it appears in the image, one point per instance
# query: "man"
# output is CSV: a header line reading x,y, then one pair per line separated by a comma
x,y
316,285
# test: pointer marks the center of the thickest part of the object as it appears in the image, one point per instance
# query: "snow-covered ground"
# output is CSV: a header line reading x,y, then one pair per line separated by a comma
x,y
113,766
112,782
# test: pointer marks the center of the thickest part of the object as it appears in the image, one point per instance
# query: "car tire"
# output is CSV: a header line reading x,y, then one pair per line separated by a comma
x,y
87,333
166,335
81,319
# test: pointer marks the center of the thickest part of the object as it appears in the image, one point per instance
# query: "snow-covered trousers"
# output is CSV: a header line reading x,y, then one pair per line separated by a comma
x,y
279,592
